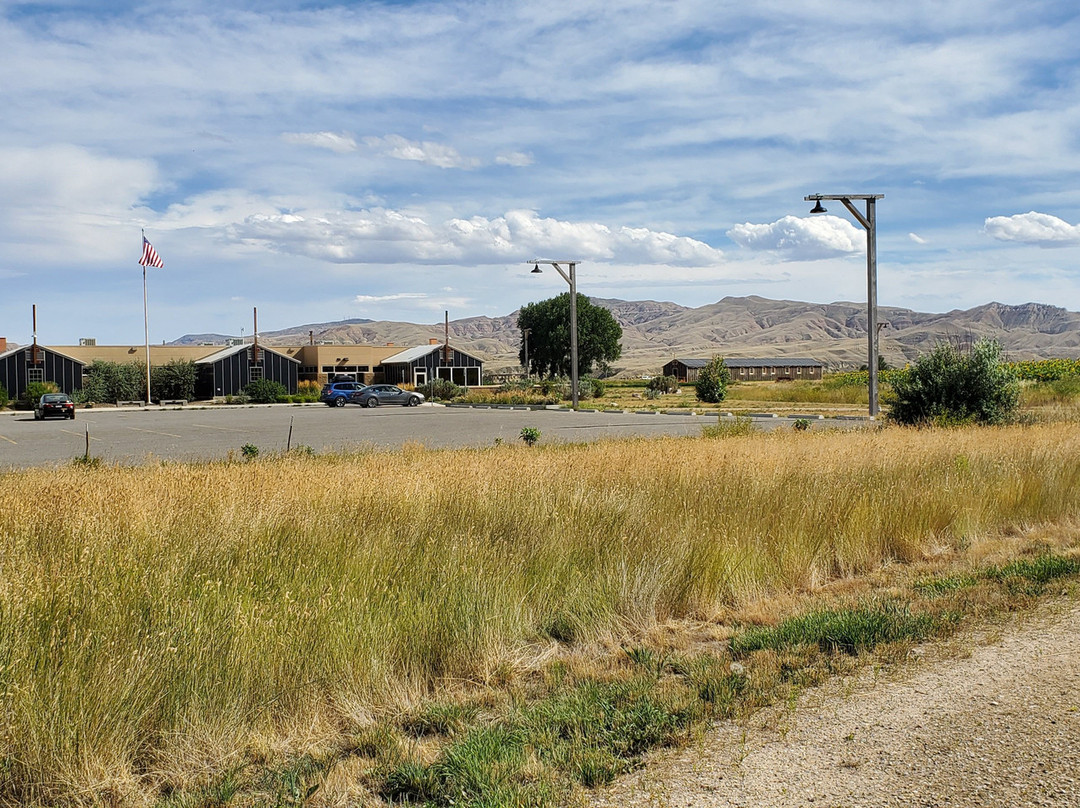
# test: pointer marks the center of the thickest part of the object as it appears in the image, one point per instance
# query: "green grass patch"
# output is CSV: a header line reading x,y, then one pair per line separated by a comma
x,y
850,631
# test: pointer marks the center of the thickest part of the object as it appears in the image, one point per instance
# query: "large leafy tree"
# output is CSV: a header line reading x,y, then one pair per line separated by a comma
x,y
548,323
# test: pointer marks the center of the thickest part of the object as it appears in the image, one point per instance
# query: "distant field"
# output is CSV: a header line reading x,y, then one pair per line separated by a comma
x,y
161,624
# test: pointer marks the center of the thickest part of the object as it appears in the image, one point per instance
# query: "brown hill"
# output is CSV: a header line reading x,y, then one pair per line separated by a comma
x,y
654,332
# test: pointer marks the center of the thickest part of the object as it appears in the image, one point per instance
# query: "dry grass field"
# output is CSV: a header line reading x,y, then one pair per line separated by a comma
x,y
161,626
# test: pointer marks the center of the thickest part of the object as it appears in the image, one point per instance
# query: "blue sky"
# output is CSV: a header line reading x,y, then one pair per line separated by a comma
x,y
324,160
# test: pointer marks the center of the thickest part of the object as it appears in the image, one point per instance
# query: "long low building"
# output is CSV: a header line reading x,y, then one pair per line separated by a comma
x,y
226,370
749,370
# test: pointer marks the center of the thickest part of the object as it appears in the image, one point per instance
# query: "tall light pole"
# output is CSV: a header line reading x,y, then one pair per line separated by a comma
x,y
869,223
570,278
525,338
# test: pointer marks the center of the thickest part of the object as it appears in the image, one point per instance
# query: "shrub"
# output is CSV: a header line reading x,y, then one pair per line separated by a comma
x,y
3,397
663,384
265,391
34,391
308,391
713,380
173,380
114,381
952,386
530,434
440,390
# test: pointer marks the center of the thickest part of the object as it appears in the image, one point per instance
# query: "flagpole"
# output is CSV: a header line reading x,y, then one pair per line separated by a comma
x,y
146,329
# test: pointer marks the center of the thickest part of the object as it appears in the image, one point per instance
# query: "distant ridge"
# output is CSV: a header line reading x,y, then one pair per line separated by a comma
x,y
655,332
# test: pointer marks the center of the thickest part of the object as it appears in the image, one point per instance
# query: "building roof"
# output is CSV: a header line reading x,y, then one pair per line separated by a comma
x,y
64,353
793,362
159,354
412,354
235,349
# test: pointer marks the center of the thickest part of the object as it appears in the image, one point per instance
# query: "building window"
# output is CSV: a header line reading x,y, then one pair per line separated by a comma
x,y
35,375
255,373
327,368
798,371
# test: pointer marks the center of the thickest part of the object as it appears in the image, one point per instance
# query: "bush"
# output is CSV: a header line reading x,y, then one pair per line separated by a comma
x,y
265,391
663,384
308,391
530,435
173,380
713,380
114,381
952,386
34,391
440,390
3,397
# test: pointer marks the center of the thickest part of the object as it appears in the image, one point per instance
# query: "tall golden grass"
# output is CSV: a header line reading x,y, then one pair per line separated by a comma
x,y
159,624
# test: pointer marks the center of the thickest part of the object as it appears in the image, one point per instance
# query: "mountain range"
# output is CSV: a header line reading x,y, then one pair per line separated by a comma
x,y
753,327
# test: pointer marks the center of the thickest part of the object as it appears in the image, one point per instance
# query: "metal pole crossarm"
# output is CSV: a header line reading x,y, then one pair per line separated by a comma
x,y
571,279
837,197
869,223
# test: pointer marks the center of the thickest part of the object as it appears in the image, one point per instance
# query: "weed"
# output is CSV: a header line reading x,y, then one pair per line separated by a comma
x,y
249,451
738,427
530,435
801,424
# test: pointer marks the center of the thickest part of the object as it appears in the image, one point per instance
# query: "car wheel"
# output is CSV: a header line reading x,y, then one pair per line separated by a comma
x,y
339,401
72,416
414,402
372,402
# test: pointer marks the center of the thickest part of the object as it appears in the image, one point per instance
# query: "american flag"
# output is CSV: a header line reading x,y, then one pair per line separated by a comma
x,y
150,258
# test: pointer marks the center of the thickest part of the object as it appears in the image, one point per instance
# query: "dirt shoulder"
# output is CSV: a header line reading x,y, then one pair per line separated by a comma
x,y
996,725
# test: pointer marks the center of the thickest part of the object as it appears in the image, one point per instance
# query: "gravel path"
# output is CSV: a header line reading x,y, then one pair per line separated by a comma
x,y
1000,727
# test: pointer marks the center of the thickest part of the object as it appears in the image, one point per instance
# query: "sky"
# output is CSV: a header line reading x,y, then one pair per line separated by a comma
x,y
397,160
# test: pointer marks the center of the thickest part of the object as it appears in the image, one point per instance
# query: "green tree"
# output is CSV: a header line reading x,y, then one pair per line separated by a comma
x,y
549,339
175,379
114,381
713,380
951,386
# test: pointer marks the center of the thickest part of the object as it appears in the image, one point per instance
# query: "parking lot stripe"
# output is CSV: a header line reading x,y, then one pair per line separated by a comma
x,y
78,434
152,432
9,440
221,428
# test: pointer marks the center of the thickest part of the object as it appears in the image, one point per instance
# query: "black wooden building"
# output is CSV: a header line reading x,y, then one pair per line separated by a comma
x,y
231,369
425,363
22,366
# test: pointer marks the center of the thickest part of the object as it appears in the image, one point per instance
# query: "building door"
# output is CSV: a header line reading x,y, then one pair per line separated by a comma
x,y
421,376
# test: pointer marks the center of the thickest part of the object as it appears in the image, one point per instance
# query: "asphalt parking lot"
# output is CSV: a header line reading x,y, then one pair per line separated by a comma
x,y
137,435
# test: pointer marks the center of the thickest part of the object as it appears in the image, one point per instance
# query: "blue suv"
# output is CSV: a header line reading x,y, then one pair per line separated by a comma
x,y
336,394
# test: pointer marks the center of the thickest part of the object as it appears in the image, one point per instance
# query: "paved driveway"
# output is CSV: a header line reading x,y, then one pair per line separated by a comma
x,y
137,435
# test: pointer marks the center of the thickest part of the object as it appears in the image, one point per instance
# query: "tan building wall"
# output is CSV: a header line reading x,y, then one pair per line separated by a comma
x,y
319,362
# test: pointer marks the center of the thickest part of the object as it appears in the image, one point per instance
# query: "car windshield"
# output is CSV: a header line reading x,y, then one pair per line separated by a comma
x,y
54,398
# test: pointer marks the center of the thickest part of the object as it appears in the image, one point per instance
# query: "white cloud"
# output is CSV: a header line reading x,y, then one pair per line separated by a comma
x,y
427,152
515,159
387,236
1033,228
385,298
916,238
340,143
801,239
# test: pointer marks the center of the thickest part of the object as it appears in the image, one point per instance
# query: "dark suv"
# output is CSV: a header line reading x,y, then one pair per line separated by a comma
x,y
336,394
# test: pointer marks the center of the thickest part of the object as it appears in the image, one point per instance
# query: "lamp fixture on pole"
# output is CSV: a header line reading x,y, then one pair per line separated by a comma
x,y
571,278
869,223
